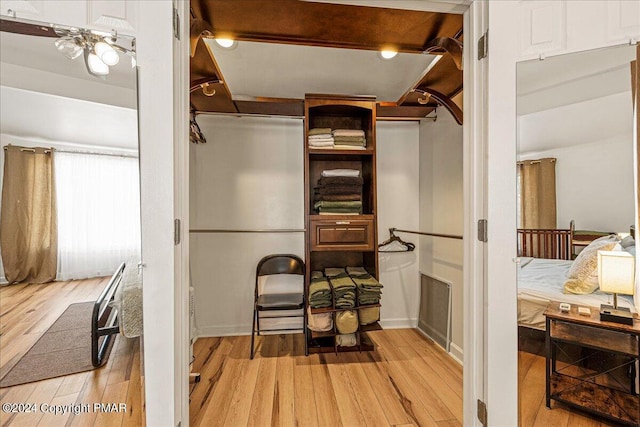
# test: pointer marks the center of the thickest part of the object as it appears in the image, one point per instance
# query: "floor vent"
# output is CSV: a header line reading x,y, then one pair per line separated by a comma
x,y
435,310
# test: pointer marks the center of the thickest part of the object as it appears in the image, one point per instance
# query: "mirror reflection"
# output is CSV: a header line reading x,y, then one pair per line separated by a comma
x,y
576,211
71,293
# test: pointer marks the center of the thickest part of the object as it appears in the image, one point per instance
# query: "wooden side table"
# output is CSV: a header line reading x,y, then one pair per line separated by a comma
x,y
588,381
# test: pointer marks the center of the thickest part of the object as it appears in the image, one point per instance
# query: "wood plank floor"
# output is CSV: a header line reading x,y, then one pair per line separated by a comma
x,y
533,412
407,381
26,312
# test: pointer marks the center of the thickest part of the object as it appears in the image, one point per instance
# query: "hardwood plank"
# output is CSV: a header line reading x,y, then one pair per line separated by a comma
x,y
44,392
51,419
283,413
114,393
264,390
386,392
304,391
430,398
326,404
364,394
211,368
232,370
350,412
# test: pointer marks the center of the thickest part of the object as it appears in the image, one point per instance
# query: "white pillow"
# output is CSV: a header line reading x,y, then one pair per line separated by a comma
x,y
582,277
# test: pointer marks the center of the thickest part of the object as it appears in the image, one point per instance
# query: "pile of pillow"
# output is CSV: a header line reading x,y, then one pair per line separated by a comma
x,y
582,277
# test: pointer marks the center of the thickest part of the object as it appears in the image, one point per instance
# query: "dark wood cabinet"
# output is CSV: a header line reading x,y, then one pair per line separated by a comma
x,y
341,240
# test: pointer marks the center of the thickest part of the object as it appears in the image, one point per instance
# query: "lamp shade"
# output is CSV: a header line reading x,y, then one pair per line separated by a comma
x,y
616,272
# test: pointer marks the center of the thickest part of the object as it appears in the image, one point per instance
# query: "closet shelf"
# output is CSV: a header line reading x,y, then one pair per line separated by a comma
x,y
338,152
341,217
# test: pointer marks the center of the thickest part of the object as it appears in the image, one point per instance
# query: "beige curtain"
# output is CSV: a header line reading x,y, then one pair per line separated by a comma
x,y
28,221
538,193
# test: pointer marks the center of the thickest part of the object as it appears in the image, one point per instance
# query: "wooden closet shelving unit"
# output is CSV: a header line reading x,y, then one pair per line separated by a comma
x,y
341,240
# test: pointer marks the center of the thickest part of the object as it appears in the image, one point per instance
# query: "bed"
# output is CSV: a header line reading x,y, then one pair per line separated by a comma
x,y
118,309
541,281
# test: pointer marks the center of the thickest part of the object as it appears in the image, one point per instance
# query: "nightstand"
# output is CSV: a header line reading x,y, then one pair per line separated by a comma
x,y
592,365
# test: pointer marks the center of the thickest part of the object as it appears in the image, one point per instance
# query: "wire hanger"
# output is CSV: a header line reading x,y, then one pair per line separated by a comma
x,y
406,246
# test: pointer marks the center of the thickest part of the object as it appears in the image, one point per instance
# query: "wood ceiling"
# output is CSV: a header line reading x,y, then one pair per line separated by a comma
x,y
328,25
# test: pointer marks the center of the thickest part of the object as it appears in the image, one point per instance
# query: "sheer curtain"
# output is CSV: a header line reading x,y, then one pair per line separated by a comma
x,y
98,201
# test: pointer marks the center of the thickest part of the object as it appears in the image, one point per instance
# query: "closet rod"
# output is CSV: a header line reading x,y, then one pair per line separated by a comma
x,y
275,230
213,113
447,236
93,153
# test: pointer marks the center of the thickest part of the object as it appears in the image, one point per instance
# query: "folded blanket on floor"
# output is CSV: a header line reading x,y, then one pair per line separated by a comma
x,y
340,181
343,189
348,132
346,340
369,315
337,197
347,321
340,204
341,172
319,322
319,131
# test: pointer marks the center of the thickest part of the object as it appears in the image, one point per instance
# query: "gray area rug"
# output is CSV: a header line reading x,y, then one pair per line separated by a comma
x,y
64,349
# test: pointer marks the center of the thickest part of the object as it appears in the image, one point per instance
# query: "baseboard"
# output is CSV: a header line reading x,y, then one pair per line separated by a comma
x,y
223,331
398,323
456,353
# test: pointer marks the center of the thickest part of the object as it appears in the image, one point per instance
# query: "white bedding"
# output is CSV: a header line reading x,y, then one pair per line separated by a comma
x,y
541,281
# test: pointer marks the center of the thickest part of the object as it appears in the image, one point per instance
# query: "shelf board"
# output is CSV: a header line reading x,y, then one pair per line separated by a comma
x,y
315,334
361,217
339,152
331,309
371,327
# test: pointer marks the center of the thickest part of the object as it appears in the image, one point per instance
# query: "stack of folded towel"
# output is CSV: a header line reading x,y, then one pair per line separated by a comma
x,y
319,291
339,192
321,138
351,139
369,315
369,289
343,287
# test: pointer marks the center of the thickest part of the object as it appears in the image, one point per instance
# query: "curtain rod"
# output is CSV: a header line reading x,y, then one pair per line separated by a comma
x,y
277,230
93,153
447,236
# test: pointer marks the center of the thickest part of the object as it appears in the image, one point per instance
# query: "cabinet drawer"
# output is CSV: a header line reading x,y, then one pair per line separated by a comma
x,y
342,234
595,337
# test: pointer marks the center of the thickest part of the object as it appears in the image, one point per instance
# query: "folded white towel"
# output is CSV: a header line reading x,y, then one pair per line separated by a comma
x,y
349,147
348,132
321,145
321,141
341,172
321,136
346,340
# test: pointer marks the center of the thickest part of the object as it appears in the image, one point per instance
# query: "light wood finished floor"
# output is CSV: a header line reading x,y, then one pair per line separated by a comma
x,y
26,312
533,412
407,381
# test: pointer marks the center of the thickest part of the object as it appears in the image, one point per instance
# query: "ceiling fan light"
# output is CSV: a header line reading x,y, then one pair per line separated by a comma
x,y
106,53
68,47
226,43
388,53
96,66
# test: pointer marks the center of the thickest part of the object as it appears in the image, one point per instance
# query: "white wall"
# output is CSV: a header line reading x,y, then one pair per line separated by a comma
x,y
594,184
398,195
441,211
249,175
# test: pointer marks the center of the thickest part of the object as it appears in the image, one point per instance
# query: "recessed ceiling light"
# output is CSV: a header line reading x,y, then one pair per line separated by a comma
x,y
388,53
226,43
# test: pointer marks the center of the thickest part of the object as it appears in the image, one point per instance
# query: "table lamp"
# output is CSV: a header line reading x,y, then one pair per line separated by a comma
x,y
616,275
